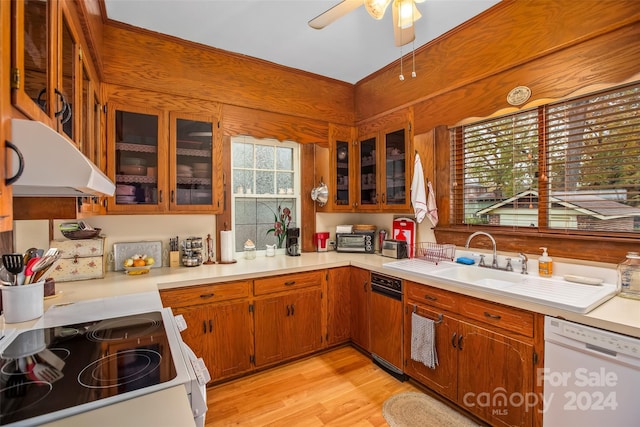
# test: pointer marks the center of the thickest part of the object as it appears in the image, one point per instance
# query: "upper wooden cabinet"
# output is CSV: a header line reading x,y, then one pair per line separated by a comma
x,y
383,170
163,161
47,65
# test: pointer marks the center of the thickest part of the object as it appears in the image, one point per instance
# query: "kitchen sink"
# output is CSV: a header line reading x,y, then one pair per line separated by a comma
x,y
483,277
554,292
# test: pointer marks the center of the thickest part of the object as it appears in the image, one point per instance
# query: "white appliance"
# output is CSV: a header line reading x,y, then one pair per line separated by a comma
x,y
137,316
591,376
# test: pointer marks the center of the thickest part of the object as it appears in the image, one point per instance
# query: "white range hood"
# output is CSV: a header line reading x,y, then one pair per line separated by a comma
x,y
53,166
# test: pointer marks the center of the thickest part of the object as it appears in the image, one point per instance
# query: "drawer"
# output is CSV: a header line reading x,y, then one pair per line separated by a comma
x,y
432,296
511,319
270,285
194,295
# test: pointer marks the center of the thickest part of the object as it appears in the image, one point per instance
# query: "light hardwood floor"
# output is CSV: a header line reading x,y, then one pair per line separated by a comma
x,y
338,388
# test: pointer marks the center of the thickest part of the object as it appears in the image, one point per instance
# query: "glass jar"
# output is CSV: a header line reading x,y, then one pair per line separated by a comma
x,y
629,276
249,250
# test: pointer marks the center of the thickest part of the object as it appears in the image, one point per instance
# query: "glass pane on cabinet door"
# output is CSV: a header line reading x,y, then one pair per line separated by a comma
x,y
368,172
136,158
36,60
342,173
194,159
395,187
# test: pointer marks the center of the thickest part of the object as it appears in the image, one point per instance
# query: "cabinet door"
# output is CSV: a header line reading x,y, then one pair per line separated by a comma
x,y
198,334
395,170
303,326
194,168
443,378
33,57
493,370
368,171
68,71
137,161
338,305
270,317
360,293
386,328
231,346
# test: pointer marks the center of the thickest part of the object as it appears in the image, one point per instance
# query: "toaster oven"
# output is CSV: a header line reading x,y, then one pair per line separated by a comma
x,y
362,242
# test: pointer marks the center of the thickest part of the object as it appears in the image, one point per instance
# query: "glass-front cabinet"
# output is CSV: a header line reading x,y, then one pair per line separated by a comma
x,y
395,184
160,167
192,162
384,171
369,194
137,163
341,183
45,64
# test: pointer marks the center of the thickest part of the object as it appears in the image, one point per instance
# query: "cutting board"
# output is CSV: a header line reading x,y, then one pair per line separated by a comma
x,y
124,250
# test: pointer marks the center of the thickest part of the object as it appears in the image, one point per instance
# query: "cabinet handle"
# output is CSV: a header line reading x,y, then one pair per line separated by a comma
x,y
288,311
384,198
430,298
205,296
290,283
204,326
492,316
161,196
293,309
210,325
14,178
460,342
365,285
453,340
172,195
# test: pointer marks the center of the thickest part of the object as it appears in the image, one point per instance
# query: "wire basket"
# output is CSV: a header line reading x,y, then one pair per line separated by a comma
x,y
435,252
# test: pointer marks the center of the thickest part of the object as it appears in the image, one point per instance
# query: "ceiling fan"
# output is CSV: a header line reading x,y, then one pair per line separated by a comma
x,y
405,13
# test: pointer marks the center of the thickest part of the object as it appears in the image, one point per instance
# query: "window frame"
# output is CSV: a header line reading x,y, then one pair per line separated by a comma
x,y
296,197
457,201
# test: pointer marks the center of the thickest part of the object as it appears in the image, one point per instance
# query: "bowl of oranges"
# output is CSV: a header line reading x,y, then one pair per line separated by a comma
x,y
138,264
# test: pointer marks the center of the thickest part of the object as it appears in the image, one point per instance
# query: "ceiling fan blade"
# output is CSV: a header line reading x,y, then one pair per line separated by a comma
x,y
334,13
401,35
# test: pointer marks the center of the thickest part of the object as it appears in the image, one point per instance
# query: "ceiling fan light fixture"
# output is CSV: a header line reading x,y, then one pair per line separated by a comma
x,y
408,13
376,8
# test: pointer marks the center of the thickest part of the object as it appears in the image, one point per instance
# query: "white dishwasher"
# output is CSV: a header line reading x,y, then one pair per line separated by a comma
x,y
591,376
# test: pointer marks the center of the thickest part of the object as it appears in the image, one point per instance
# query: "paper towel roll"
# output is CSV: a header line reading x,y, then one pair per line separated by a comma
x,y
226,246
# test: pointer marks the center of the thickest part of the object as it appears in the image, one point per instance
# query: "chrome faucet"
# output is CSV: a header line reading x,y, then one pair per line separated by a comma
x,y
494,263
524,259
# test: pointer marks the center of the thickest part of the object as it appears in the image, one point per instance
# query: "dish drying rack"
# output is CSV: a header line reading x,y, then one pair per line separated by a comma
x,y
434,252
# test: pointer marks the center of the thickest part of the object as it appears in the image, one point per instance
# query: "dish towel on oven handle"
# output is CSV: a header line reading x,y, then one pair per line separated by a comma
x,y
423,341
418,192
432,208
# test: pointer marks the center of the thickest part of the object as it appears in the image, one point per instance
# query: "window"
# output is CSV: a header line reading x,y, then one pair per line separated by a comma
x,y
265,181
569,166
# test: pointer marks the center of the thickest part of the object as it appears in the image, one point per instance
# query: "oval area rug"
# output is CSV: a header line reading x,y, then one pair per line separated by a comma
x,y
411,409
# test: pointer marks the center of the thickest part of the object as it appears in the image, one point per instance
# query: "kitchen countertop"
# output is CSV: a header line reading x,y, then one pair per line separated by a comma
x,y
618,314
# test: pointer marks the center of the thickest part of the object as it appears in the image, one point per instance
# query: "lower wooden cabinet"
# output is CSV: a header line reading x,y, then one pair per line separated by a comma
x,y
338,305
219,325
483,365
360,294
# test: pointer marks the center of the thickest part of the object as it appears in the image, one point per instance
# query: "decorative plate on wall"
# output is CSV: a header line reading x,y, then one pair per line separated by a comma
x,y
518,95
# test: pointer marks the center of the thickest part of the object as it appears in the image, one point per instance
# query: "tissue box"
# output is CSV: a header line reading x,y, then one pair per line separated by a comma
x,y
81,259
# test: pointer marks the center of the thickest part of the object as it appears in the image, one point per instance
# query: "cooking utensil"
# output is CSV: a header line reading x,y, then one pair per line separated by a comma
x,y
14,263
28,270
46,373
30,253
44,263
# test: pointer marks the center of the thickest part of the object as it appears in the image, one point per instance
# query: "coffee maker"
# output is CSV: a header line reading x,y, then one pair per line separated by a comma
x,y
293,241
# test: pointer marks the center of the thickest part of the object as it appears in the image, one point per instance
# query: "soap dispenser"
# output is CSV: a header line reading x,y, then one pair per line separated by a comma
x,y
545,264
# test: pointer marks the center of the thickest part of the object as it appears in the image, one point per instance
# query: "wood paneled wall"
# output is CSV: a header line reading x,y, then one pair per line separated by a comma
x,y
553,46
160,63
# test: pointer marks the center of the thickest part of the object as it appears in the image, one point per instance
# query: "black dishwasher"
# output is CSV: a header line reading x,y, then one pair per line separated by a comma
x,y
386,323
